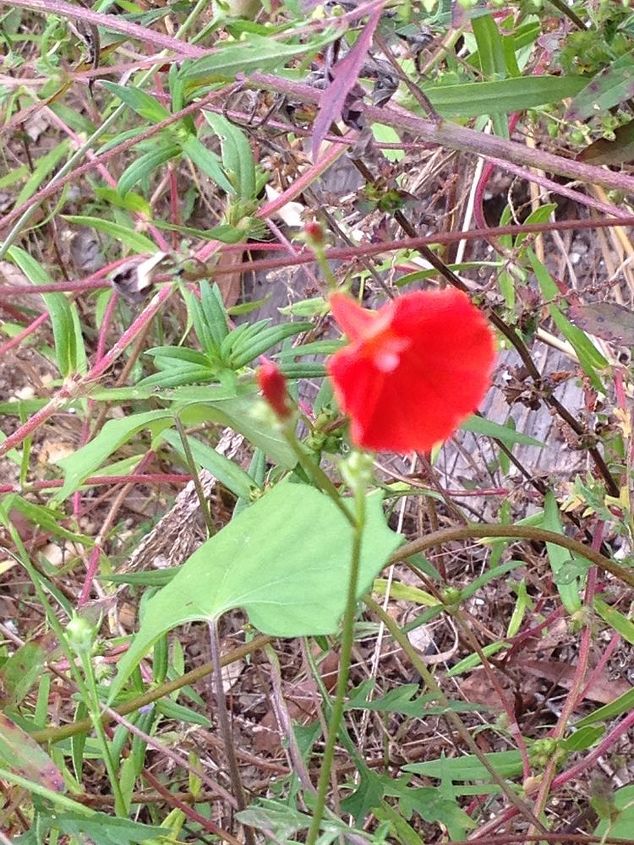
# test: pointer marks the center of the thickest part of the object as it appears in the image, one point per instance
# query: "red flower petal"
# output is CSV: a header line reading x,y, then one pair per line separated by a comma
x,y
414,369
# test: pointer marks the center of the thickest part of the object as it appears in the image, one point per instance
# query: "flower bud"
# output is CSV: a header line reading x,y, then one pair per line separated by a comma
x,y
273,386
314,235
81,635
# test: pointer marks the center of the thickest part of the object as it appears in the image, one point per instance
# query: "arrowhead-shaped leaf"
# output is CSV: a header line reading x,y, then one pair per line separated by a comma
x,y
285,561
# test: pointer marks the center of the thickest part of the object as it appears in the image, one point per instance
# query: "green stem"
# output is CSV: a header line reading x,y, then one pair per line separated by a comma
x,y
347,641
87,686
94,708
193,470
453,718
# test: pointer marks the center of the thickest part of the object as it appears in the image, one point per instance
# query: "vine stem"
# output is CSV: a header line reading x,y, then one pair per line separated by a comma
x,y
347,641
522,532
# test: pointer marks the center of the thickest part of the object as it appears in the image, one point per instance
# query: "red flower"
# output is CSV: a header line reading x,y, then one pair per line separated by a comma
x,y
273,386
413,370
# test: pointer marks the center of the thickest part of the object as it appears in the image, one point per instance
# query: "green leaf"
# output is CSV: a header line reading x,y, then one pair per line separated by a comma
x,y
23,669
508,436
125,234
82,463
387,135
473,660
568,581
45,164
208,162
254,52
237,157
69,349
473,99
47,518
582,739
589,356
225,471
404,700
101,829
609,88
285,561
140,102
507,764
146,164
23,756
621,821
432,806
248,347
615,619
492,61
623,704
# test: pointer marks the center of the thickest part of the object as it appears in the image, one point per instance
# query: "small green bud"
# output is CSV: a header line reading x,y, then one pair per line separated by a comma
x,y
357,470
81,635
451,596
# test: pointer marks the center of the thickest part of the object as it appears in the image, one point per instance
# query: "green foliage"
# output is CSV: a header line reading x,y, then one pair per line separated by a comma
x,y
277,554
284,560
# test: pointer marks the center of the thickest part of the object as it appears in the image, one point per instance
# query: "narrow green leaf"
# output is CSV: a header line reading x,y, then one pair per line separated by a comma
x,y
143,104
615,619
208,162
473,99
45,164
565,573
124,234
214,311
59,307
247,350
227,472
490,47
253,52
589,356
507,764
82,463
583,738
623,704
237,157
23,756
480,425
146,164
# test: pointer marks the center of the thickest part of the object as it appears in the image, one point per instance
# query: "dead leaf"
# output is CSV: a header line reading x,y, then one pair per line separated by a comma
x,y
301,704
618,151
230,284
478,689
603,690
606,320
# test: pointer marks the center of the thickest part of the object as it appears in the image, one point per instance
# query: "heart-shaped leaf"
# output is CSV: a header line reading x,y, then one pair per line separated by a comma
x,y
285,561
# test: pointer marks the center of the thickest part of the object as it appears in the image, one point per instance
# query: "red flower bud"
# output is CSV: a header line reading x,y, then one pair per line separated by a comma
x,y
413,370
273,386
314,234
